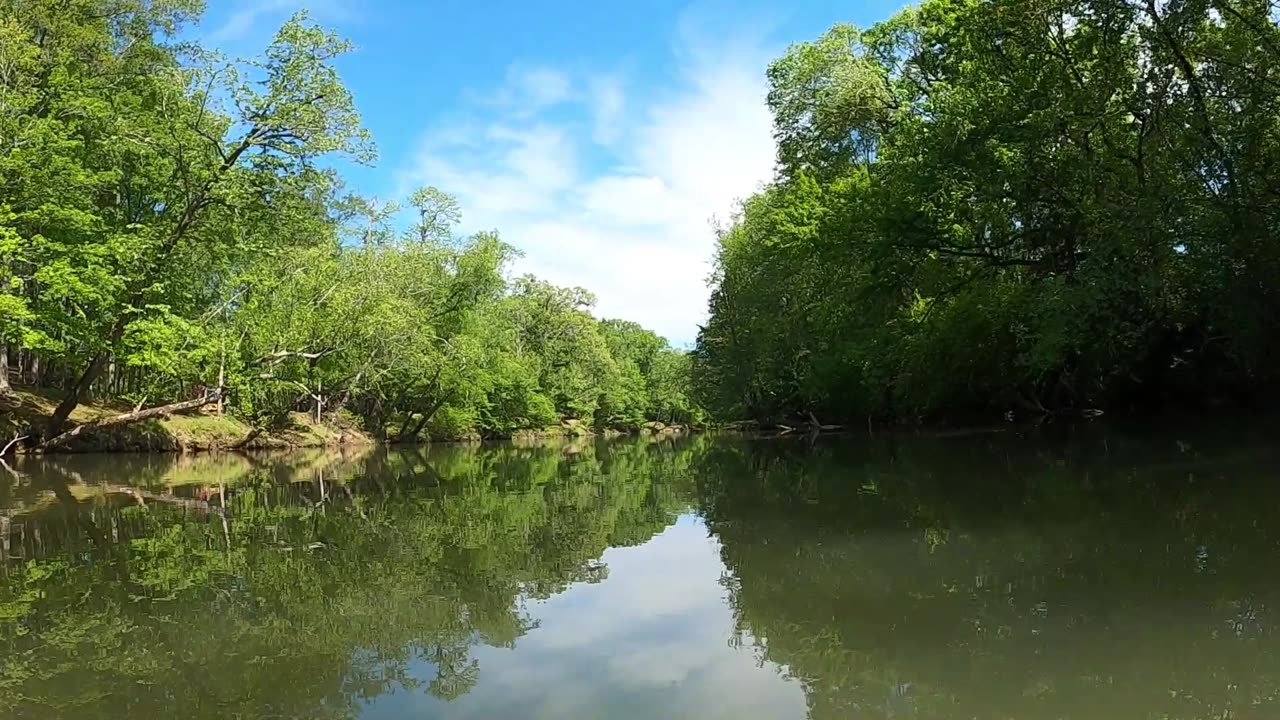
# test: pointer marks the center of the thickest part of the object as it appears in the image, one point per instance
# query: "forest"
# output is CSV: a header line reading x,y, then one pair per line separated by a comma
x,y
981,209
1036,207
174,237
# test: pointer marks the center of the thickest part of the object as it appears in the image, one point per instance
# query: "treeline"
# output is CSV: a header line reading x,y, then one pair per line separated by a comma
x,y
1054,206
173,234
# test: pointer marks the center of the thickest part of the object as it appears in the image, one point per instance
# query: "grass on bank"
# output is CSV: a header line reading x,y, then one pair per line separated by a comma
x,y
195,431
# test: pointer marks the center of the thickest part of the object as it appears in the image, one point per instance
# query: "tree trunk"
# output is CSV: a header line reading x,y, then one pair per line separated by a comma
x,y
5,389
244,442
222,379
129,418
58,420
430,413
404,427
417,428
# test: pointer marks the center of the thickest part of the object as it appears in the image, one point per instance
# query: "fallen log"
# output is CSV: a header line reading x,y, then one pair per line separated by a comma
x,y
129,418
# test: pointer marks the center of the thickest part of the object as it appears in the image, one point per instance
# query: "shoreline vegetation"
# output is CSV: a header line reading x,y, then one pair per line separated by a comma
x,y
982,210
181,265
205,431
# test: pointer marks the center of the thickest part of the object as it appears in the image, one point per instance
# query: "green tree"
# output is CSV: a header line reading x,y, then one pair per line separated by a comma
x,y
985,205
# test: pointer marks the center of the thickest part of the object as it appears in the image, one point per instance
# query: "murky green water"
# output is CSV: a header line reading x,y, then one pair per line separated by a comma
x,y
1088,575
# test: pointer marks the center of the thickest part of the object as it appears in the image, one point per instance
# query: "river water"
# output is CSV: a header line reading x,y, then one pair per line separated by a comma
x,y
1072,573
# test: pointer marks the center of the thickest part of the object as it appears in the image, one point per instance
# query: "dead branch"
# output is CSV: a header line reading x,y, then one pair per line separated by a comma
x,y
9,469
16,439
130,418
275,358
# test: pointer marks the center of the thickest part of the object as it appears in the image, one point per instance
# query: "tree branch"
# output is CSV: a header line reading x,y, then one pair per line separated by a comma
x,y
130,418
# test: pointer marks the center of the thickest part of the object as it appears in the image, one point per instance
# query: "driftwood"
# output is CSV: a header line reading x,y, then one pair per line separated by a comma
x,y
17,439
129,418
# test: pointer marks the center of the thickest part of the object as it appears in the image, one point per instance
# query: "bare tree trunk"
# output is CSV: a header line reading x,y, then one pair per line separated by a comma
x,y
244,442
5,388
417,427
222,378
318,398
404,427
129,418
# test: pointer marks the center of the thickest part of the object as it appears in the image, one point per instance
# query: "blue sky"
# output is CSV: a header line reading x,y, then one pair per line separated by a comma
x,y
599,137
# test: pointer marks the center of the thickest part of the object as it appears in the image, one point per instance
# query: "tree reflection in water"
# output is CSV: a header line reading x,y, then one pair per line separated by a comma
x,y
1091,575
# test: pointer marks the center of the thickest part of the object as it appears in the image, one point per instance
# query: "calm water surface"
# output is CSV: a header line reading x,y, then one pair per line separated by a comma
x,y
1084,574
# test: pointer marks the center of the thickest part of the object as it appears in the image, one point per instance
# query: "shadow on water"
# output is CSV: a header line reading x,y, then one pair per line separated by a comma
x,y
1088,572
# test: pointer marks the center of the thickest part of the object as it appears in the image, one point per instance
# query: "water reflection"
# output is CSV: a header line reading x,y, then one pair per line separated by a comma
x,y
652,642
1090,575
302,585
1100,576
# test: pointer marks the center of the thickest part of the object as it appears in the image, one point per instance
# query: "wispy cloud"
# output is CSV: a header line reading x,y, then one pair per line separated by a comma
x,y
608,101
251,19
537,87
618,195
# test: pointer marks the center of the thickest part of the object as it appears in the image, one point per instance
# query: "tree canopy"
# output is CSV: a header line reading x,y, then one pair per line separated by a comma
x,y
989,205
172,230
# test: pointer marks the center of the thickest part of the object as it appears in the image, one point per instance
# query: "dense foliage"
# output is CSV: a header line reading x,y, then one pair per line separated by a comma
x,y
986,205
171,225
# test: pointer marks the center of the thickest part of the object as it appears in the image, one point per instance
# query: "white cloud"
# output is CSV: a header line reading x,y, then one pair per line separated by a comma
x,y
636,200
544,155
616,196
249,17
539,86
608,101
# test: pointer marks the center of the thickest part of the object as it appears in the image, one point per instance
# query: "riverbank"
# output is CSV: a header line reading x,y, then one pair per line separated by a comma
x,y
199,431
206,430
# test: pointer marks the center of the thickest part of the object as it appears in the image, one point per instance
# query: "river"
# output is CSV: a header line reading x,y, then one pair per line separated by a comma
x,y
1082,573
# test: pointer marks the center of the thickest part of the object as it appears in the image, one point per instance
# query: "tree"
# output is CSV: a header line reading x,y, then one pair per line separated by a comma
x,y
1050,206
188,168
173,234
